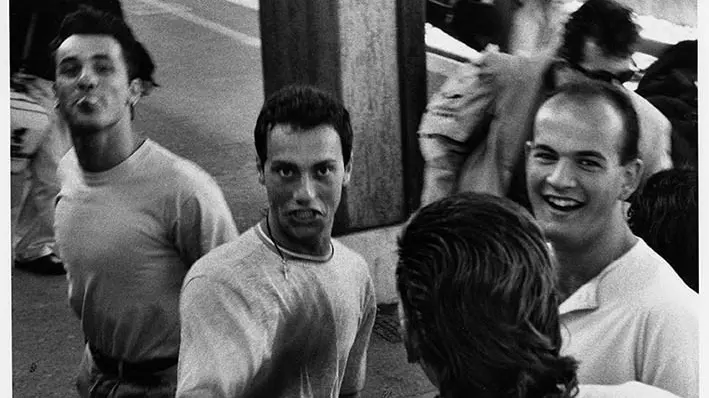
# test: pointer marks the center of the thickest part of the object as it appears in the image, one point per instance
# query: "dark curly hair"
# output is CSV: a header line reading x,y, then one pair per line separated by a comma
x,y
607,23
477,286
665,214
302,107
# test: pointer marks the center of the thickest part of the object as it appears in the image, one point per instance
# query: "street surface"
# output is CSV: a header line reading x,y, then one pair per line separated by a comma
x,y
209,68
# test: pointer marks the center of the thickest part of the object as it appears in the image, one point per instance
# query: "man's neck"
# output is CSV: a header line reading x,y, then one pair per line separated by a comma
x,y
316,247
102,150
579,263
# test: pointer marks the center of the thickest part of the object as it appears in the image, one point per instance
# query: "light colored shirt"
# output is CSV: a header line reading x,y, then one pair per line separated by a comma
x,y
127,237
635,321
631,389
256,326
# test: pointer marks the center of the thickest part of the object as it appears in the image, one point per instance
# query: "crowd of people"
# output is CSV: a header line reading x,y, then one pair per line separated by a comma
x,y
554,254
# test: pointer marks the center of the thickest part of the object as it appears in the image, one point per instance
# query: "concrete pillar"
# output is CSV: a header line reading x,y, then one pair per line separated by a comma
x,y
370,54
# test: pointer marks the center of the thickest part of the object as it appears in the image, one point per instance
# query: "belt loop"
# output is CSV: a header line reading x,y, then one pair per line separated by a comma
x,y
120,368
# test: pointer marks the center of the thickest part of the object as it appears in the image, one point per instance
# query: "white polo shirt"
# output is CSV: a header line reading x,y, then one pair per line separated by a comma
x,y
636,320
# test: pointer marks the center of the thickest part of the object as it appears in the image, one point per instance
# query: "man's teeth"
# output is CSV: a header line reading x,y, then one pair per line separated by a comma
x,y
562,202
304,214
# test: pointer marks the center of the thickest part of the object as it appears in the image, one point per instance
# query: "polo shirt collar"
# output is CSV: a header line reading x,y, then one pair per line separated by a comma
x,y
587,297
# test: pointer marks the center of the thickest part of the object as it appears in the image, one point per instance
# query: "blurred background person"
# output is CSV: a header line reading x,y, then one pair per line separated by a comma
x,y
131,216
665,214
39,138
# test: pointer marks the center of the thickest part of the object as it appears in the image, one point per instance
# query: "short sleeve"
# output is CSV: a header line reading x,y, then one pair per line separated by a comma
x,y
222,343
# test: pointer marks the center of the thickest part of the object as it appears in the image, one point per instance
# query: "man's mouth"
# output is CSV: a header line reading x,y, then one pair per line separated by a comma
x,y
562,203
87,104
305,215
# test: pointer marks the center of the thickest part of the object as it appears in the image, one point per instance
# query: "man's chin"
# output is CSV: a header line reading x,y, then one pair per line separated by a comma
x,y
83,126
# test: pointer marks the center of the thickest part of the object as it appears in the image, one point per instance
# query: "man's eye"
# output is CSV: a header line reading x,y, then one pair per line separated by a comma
x,y
103,69
69,70
543,156
324,170
589,164
285,172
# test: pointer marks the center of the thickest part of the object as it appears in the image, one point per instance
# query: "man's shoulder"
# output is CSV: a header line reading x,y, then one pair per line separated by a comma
x,y
228,259
349,255
180,171
510,66
648,114
653,287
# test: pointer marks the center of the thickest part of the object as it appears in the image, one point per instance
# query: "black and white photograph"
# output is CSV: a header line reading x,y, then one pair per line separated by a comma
x,y
353,198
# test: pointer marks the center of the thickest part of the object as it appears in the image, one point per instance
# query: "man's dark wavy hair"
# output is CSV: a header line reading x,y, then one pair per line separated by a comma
x,y
607,23
90,21
477,284
666,215
302,107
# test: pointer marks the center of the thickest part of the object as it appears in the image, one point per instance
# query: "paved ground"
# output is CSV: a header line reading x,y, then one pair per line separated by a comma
x,y
209,66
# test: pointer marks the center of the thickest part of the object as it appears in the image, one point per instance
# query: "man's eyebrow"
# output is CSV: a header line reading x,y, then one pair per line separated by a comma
x,y
281,163
326,162
593,154
542,147
97,57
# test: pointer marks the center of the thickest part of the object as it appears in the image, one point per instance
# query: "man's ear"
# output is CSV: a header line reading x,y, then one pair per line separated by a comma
x,y
348,173
136,90
259,167
632,176
527,149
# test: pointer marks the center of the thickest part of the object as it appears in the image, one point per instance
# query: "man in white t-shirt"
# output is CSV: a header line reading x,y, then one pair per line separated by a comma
x,y
285,310
131,217
626,314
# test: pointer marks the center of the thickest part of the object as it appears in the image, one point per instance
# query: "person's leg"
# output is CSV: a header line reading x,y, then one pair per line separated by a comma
x,y
35,221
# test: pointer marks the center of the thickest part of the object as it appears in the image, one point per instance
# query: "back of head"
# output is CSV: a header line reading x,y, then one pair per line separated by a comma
x,y
584,92
477,286
665,215
90,21
302,107
607,23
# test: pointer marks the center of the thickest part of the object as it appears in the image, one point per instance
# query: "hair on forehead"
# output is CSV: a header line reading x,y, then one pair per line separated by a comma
x,y
585,92
90,21
302,107
607,23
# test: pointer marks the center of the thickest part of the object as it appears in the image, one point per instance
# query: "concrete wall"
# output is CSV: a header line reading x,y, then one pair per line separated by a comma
x,y
378,247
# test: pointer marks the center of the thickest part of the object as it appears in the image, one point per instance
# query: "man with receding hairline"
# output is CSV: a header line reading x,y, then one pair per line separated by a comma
x,y
626,314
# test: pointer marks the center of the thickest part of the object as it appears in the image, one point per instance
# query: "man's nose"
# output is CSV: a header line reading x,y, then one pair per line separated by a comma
x,y
87,78
305,191
562,175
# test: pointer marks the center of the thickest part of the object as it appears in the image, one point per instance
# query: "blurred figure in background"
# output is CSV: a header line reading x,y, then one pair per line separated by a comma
x,y
480,307
665,214
39,138
473,133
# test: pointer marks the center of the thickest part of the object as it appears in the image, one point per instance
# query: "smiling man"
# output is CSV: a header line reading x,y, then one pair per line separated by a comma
x,y
131,217
473,132
284,311
626,314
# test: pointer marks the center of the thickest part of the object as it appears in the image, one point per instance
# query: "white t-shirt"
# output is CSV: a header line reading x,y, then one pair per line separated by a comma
x,y
127,237
249,330
635,321
632,389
